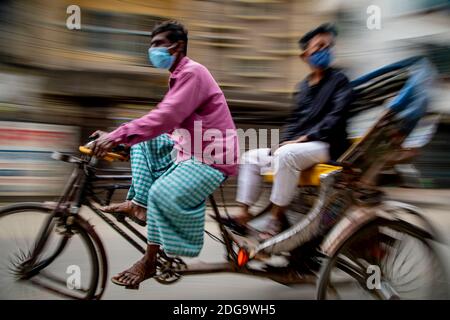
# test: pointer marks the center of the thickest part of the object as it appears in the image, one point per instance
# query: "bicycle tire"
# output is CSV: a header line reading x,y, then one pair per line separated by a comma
x,y
89,238
439,287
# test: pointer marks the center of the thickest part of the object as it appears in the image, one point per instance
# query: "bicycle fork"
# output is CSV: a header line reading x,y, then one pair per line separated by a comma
x,y
60,217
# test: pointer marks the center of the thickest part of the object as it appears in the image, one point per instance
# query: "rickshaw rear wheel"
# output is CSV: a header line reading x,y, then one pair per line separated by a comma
x,y
384,260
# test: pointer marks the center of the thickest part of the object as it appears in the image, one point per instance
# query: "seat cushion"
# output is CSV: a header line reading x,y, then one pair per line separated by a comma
x,y
309,177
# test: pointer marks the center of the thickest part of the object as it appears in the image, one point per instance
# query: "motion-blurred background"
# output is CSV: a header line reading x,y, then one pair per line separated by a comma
x,y
58,85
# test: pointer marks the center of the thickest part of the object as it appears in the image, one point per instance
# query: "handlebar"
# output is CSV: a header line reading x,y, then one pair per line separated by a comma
x,y
119,152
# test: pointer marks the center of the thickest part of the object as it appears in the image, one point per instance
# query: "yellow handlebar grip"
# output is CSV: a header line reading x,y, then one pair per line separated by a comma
x,y
85,150
110,156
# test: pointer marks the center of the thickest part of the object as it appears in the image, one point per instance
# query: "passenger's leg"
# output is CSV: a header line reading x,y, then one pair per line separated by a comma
x,y
289,161
250,180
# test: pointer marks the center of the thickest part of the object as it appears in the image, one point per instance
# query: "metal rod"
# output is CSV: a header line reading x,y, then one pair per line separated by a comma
x,y
203,267
115,227
227,267
112,177
134,230
226,238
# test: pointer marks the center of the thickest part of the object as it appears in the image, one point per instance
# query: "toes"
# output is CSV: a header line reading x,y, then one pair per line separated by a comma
x,y
122,279
132,279
119,275
127,279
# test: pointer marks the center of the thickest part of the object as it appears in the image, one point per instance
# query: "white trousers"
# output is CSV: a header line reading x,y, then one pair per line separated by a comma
x,y
287,163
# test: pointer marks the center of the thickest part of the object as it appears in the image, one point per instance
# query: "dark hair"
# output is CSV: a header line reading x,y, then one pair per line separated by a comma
x,y
323,28
177,32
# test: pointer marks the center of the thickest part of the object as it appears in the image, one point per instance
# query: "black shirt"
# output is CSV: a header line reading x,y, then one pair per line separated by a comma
x,y
320,112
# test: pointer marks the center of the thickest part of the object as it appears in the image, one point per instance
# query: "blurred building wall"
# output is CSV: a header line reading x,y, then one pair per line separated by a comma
x,y
99,76
249,46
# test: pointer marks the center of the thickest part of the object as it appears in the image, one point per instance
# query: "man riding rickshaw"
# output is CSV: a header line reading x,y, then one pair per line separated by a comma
x,y
161,191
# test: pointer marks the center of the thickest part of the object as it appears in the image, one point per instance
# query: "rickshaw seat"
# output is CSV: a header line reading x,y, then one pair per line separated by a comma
x,y
311,176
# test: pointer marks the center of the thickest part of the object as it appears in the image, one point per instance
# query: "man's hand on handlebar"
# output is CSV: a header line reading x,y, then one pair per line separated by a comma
x,y
102,144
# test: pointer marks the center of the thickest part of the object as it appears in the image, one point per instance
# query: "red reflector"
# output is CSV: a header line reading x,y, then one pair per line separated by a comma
x,y
242,258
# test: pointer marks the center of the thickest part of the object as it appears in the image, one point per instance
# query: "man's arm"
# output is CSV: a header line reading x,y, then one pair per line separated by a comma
x,y
178,104
340,101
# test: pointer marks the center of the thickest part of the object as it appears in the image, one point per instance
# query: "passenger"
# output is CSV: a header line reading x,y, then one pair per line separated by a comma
x,y
315,133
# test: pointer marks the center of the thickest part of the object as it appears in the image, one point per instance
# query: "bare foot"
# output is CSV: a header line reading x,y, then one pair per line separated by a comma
x,y
244,215
136,213
124,207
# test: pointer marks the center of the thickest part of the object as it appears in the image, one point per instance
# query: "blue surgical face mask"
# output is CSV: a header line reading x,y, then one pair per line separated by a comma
x,y
321,59
160,57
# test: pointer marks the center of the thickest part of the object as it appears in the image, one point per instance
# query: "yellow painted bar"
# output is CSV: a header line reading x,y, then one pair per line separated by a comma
x,y
309,177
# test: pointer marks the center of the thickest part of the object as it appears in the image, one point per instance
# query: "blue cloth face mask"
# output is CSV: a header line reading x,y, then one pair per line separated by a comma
x,y
321,59
160,57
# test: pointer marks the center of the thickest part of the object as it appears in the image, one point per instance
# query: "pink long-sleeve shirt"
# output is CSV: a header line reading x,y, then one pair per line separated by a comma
x,y
194,111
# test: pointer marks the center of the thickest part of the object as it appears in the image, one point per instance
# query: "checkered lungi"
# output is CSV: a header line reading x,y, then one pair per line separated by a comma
x,y
174,194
